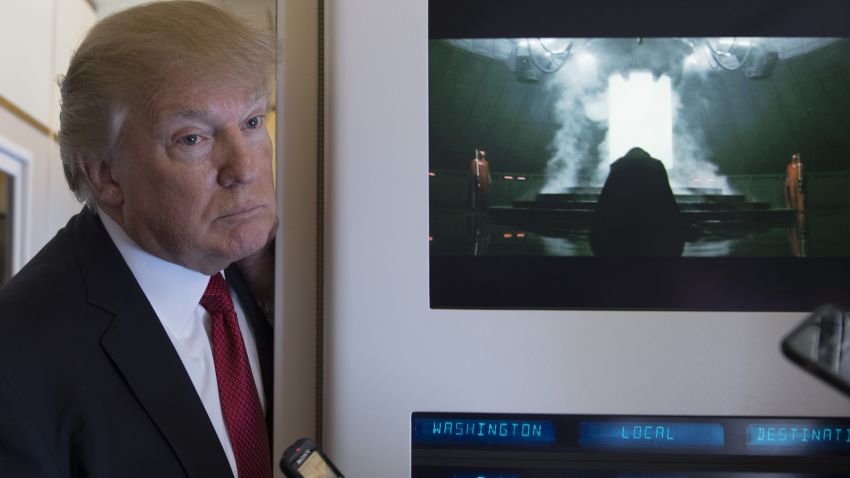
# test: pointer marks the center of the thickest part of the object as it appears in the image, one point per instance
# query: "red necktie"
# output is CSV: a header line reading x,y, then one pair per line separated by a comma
x,y
240,404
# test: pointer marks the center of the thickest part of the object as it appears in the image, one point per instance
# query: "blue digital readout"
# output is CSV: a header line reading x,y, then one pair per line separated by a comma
x,y
798,435
483,432
651,435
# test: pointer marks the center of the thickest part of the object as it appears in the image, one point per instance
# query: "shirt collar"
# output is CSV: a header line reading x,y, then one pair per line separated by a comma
x,y
172,290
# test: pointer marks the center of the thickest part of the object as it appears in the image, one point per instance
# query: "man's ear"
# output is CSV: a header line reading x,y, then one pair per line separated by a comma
x,y
101,179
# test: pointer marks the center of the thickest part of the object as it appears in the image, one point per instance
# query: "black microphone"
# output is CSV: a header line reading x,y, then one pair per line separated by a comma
x,y
305,459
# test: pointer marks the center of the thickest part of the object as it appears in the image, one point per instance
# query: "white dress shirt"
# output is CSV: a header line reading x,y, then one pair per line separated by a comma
x,y
175,293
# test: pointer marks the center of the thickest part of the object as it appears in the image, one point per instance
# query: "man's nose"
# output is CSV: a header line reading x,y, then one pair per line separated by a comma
x,y
238,159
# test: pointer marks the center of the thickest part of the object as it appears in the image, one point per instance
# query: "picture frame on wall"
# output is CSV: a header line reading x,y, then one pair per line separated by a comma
x,y
653,155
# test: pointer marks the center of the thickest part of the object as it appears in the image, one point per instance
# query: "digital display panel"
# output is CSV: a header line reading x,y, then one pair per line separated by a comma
x,y
316,467
471,445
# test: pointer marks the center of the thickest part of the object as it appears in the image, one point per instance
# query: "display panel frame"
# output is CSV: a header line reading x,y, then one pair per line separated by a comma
x,y
636,283
491,444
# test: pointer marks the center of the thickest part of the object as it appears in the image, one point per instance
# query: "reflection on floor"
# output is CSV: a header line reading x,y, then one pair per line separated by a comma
x,y
824,233
697,205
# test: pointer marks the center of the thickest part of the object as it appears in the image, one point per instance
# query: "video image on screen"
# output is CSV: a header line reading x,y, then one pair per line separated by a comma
x,y
691,147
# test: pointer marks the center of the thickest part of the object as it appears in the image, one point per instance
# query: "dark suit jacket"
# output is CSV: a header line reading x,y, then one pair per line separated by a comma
x,y
90,384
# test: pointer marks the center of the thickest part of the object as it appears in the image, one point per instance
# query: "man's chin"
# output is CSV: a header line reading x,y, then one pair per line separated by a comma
x,y
253,245
237,244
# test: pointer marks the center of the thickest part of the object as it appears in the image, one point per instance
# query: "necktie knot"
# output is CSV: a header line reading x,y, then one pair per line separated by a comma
x,y
216,298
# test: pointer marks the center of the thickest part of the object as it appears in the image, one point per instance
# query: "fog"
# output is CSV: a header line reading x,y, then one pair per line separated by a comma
x,y
579,150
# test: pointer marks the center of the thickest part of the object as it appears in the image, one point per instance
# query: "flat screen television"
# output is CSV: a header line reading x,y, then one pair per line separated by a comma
x,y
660,155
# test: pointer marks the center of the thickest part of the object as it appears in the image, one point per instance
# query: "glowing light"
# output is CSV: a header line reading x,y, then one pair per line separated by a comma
x,y
735,42
520,178
698,61
432,173
520,235
552,43
509,178
640,114
587,63
587,59
507,235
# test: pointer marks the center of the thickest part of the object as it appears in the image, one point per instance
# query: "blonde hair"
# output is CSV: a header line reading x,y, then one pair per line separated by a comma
x,y
127,58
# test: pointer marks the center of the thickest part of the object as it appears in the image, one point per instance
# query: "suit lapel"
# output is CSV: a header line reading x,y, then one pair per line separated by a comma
x,y
141,350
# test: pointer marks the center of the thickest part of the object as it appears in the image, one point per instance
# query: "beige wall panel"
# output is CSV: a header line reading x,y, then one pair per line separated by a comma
x,y
26,53
37,38
295,325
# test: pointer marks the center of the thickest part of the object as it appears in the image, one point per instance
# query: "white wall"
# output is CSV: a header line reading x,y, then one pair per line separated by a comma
x,y
388,355
26,52
37,39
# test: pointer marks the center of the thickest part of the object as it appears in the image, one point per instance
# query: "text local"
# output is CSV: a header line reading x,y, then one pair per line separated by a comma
x,y
646,432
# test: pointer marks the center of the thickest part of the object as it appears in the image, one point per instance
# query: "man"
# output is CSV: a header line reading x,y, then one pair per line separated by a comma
x,y
795,191
122,351
637,214
479,169
795,199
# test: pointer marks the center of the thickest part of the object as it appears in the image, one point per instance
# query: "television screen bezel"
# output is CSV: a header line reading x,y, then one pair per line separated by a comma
x,y
646,283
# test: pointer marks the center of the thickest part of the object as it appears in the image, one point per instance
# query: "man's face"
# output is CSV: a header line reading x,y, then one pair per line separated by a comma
x,y
196,176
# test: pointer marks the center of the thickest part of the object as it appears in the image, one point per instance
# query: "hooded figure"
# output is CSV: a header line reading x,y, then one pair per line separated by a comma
x,y
637,214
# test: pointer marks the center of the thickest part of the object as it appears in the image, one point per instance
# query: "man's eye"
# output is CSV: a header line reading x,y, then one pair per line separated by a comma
x,y
254,122
189,139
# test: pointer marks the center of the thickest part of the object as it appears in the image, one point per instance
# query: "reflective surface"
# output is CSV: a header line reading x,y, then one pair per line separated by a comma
x,y
819,234
821,344
5,227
